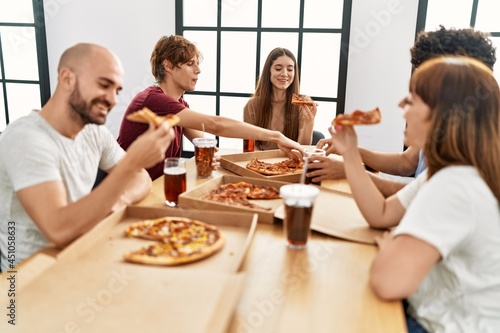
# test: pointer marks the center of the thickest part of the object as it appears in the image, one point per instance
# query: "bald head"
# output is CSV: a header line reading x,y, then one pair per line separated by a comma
x,y
84,54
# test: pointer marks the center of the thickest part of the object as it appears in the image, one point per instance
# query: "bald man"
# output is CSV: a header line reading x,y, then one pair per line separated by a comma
x,y
49,159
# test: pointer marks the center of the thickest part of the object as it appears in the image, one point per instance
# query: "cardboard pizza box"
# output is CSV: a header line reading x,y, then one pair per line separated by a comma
x,y
88,287
107,241
85,296
237,163
193,198
335,213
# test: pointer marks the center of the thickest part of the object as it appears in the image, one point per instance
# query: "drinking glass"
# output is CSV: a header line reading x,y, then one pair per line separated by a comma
x,y
174,175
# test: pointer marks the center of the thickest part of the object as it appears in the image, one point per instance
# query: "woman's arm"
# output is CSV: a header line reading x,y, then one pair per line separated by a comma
x,y
378,211
400,164
401,265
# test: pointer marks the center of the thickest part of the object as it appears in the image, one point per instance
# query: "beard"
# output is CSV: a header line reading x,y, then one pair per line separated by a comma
x,y
83,109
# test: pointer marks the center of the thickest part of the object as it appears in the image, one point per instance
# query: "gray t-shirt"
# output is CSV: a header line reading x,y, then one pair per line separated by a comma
x,y
32,152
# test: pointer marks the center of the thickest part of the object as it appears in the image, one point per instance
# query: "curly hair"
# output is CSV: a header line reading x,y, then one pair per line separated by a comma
x,y
175,49
466,42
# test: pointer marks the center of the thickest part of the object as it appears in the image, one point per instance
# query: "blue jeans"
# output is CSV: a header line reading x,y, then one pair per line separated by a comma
x,y
412,325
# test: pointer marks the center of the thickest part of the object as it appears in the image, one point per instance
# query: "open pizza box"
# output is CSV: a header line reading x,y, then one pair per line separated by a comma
x,y
91,288
237,163
335,213
193,198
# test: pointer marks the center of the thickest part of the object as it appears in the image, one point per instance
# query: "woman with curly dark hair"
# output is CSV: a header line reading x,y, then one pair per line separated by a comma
x,y
429,44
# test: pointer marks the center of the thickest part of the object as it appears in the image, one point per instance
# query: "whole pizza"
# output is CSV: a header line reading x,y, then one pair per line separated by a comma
x,y
180,240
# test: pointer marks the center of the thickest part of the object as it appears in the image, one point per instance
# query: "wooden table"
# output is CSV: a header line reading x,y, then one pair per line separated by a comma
x,y
323,288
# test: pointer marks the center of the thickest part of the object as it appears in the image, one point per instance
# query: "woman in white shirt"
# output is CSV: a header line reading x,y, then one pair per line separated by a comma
x,y
444,254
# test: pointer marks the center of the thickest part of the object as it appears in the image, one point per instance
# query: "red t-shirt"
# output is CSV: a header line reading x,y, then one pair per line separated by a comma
x,y
162,104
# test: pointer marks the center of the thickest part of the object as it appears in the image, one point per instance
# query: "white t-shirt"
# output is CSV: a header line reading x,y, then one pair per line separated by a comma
x,y
32,152
456,212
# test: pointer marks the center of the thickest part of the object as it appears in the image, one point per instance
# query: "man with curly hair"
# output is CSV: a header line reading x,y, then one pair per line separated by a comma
x,y
429,44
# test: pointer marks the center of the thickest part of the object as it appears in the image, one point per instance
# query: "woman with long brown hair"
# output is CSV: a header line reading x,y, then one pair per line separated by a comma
x,y
444,254
271,105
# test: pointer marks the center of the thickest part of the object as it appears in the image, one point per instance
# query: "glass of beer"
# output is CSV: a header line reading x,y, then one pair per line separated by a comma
x,y
248,145
308,152
299,202
174,175
204,150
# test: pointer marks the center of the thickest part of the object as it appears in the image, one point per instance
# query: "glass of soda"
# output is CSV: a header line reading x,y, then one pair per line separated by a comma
x,y
174,183
204,150
299,202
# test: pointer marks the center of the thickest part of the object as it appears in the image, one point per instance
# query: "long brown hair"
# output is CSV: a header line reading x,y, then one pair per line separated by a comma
x,y
464,99
176,49
264,94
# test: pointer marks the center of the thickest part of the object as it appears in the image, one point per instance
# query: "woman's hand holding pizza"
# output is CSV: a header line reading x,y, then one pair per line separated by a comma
x,y
344,138
308,112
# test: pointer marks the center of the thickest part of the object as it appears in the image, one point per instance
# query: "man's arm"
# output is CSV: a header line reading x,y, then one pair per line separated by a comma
x,y
139,187
400,164
62,221
331,168
231,128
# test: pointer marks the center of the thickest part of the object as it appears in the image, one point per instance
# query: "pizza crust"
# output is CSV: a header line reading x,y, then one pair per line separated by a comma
x,y
271,169
358,118
146,116
297,100
172,241
142,258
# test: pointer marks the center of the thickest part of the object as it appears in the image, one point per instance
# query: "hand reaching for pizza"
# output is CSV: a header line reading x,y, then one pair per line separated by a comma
x,y
287,145
327,145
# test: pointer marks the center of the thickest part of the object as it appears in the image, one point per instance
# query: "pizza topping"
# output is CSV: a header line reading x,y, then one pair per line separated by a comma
x,y
297,100
145,115
238,194
358,118
280,168
180,240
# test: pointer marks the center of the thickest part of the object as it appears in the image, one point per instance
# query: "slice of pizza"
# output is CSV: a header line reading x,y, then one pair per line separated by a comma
x,y
145,115
297,100
287,166
358,117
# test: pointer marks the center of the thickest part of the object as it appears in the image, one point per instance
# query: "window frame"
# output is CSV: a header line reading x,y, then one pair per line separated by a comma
x,y
300,30
43,81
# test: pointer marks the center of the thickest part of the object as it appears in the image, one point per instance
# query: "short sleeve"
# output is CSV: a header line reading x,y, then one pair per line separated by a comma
x,y
38,160
111,152
440,214
407,193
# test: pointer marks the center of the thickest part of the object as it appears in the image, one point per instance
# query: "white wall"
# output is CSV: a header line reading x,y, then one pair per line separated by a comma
x,y
128,28
382,31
